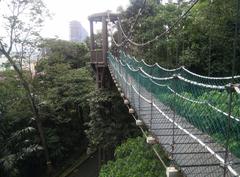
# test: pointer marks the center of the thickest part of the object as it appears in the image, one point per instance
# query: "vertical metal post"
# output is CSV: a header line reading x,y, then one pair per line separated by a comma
x,y
120,37
173,126
92,35
120,73
151,109
228,129
131,90
118,69
139,91
126,85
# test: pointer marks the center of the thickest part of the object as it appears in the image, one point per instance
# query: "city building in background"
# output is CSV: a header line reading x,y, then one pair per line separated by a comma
x,y
77,32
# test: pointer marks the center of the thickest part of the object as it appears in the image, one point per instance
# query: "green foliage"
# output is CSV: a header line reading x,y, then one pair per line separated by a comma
x,y
133,158
109,122
60,51
62,86
203,42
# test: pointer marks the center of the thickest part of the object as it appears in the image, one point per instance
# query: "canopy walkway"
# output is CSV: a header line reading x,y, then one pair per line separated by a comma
x,y
196,119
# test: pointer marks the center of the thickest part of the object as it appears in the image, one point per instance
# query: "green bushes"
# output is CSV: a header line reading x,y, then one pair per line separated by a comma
x,y
134,158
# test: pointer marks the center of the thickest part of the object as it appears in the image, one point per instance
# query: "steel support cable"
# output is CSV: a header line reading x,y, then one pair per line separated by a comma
x,y
185,80
193,101
187,99
219,87
131,28
213,78
179,95
114,41
181,78
136,20
155,64
156,78
145,73
197,102
188,71
111,33
163,33
201,84
188,133
165,69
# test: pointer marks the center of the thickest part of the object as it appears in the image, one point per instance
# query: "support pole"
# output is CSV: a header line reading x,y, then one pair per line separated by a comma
x,y
104,38
173,126
228,129
92,35
151,108
120,36
139,98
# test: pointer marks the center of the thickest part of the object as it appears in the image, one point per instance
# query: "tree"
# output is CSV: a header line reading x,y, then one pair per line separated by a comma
x,y
62,107
203,41
133,157
21,23
109,123
63,97
19,143
72,53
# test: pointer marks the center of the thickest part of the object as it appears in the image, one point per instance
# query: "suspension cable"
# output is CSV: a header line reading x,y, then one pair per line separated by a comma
x,y
163,33
131,28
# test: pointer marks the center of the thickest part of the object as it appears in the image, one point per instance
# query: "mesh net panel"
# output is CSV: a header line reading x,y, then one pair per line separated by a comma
x,y
189,114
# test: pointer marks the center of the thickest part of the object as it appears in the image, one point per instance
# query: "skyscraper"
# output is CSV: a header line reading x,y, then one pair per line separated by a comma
x,y
77,32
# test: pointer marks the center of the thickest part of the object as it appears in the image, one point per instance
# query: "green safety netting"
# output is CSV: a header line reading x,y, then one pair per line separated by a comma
x,y
161,72
205,102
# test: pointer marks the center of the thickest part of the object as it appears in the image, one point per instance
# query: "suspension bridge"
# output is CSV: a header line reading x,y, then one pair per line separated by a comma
x,y
194,118
191,130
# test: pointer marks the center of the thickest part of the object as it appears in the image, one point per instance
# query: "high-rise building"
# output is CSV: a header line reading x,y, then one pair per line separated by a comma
x,y
77,32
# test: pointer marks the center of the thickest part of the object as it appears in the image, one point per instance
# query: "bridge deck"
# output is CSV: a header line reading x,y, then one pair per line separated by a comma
x,y
192,157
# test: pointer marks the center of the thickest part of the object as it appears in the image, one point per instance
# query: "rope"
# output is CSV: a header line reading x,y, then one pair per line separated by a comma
x,y
188,133
162,34
173,91
200,84
185,69
114,63
131,28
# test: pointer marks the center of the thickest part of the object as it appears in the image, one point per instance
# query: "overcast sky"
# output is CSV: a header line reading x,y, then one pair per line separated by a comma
x,y
66,10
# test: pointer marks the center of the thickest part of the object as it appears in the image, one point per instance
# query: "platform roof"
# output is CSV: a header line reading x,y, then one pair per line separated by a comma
x,y
98,16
